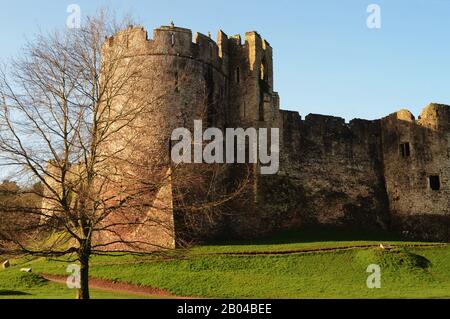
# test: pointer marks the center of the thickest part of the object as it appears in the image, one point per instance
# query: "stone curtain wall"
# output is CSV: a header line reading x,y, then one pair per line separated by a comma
x,y
332,173
416,207
365,174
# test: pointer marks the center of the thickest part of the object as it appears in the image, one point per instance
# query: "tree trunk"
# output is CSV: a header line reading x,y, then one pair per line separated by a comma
x,y
83,292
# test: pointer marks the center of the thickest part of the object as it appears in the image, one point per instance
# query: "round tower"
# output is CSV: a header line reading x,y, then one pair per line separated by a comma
x,y
183,80
179,80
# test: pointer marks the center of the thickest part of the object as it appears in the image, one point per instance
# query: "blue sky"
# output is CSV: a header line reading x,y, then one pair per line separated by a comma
x,y
326,59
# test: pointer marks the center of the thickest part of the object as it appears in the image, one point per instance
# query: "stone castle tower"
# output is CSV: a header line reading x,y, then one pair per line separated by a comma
x,y
392,173
234,79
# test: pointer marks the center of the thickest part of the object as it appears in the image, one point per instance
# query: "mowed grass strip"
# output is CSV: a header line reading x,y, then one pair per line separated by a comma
x,y
307,239
339,274
202,272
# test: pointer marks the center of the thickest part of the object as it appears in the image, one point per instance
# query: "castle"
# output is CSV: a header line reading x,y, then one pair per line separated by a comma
x,y
392,173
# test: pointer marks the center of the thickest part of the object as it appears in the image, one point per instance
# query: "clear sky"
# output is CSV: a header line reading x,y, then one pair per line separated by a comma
x,y
326,59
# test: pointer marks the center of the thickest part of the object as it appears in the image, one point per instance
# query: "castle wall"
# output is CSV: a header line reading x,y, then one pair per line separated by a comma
x,y
414,205
355,174
331,173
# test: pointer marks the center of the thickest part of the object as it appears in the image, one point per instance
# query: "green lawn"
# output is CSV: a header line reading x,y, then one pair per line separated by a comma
x,y
406,272
306,239
18,285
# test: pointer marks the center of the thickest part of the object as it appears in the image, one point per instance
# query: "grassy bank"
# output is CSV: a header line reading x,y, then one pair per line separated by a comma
x,y
406,272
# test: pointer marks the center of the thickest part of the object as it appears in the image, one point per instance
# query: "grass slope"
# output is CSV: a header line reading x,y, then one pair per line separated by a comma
x,y
305,239
200,272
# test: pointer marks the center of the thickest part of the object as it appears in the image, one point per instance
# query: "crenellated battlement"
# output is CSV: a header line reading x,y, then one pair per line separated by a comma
x,y
172,40
435,119
434,116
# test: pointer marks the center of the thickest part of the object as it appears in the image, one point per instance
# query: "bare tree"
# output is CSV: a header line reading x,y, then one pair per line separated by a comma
x,y
73,120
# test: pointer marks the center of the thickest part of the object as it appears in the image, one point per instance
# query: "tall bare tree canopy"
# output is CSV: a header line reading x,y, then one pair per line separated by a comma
x,y
71,120
59,114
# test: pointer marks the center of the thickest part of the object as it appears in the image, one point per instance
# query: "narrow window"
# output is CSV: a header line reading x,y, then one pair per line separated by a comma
x,y
261,111
176,82
238,75
435,183
172,36
405,150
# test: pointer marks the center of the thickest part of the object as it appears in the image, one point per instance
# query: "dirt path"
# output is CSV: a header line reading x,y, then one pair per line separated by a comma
x,y
108,285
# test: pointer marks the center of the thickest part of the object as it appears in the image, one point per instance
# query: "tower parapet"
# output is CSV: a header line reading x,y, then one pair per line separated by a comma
x,y
175,41
248,65
436,117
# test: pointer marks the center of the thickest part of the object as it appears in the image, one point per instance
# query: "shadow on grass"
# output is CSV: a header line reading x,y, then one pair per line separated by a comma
x,y
13,293
314,235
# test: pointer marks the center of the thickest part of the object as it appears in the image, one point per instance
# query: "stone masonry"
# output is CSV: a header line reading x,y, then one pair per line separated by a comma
x,y
392,173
